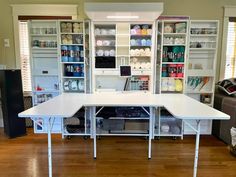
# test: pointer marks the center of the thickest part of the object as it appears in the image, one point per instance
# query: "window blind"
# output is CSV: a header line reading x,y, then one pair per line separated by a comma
x,y
230,66
24,46
24,56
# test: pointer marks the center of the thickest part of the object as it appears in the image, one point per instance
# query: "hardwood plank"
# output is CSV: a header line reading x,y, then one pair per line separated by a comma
x,y
117,157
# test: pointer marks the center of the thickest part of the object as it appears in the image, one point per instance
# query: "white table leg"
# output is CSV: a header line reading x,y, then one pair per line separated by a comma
x,y
49,149
196,149
94,133
150,134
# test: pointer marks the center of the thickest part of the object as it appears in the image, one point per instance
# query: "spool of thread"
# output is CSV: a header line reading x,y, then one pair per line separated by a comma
x,y
64,54
71,53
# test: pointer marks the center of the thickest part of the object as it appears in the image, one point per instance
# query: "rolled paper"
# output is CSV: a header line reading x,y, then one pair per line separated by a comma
x,y
149,31
112,52
147,52
168,29
132,52
142,52
148,42
136,27
143,42
171,84
164,84
133,31
138,31
100,53
99,43
112,31
178,85
132,42
107,53
135,60
74,85
106,43
145,27
136,52
138,65
144,31
81,85
103,32
97,31
148,65
112,42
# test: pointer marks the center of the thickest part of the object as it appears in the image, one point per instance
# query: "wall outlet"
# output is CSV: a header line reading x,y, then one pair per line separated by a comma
x,y
6,42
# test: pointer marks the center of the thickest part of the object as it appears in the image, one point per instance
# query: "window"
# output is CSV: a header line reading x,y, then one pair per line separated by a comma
x,y
24,47
24,56
230,65
35,11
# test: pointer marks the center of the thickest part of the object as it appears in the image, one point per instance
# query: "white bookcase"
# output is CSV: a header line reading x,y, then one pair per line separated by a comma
x,y
200,83
72,56
171,54
74,48
118,44
43,36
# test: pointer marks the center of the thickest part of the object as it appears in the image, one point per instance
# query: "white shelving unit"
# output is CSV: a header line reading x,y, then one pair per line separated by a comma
x,y
203,42
44,66
172,44
74,48
117,44
72,56
171,54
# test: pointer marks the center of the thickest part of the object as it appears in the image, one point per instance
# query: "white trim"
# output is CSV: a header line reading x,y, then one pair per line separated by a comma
x,y
224,48
45,9
38,9
229,11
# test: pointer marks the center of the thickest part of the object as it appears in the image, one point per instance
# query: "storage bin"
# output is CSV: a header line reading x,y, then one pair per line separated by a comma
x,y
113,124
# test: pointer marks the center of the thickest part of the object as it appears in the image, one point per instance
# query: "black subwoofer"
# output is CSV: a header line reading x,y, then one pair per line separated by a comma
x,y
12,102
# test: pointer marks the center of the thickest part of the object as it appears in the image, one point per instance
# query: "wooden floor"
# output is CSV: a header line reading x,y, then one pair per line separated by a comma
x,y
117,157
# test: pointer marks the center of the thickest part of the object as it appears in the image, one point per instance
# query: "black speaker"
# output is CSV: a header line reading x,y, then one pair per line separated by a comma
x,y
12,102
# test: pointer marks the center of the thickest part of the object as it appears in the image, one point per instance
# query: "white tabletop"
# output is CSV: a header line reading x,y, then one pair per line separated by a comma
x,y
181,106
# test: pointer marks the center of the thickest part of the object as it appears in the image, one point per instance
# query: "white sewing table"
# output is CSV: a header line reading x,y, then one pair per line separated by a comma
x,y
179,105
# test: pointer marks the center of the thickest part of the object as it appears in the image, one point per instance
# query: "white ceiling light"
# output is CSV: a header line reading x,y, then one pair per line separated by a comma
x,y
122,17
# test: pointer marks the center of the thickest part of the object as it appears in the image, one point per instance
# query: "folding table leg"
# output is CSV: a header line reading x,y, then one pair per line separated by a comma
x,y
196,149
49,149
94,133
150,134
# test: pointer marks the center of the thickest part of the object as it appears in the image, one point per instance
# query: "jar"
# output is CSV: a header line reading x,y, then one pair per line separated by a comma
x,y
77,54
172,71
71,53
64,55
181,54
180,70
164,70
76,70
176,54
35,43
165,54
